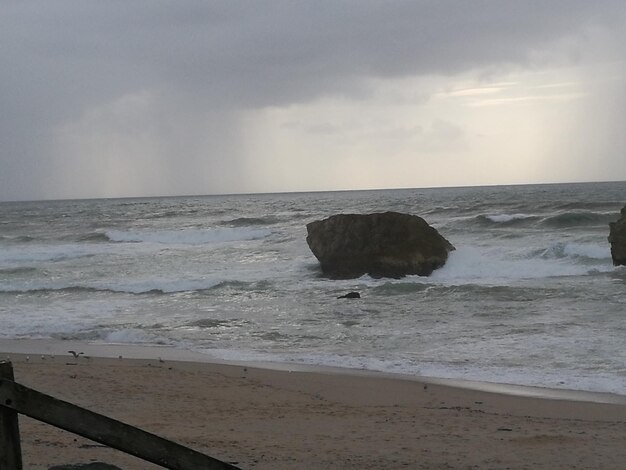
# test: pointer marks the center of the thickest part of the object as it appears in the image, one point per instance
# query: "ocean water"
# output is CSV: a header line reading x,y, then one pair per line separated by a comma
x,y
530,296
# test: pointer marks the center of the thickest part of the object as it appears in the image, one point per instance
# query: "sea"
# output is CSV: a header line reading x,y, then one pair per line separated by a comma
x,y
530,295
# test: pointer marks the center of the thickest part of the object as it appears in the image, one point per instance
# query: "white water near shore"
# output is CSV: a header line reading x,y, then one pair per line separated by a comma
x,y
43,351
529,297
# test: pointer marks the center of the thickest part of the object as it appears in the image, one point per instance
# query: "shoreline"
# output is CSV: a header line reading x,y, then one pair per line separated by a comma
x,y
286,417
25,347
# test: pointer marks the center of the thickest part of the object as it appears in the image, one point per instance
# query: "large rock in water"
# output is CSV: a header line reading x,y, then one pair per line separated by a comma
x,y
617,239
388,244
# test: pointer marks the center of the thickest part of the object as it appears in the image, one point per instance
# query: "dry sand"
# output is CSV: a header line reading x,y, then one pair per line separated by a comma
x,y
276,419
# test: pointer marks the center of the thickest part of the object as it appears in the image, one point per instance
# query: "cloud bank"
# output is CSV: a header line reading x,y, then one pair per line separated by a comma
x,y
155,97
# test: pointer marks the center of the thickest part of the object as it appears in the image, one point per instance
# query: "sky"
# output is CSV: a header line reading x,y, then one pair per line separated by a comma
x,y
151,97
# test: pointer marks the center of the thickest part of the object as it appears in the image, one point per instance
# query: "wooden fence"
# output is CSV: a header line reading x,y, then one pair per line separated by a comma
x,y
17,399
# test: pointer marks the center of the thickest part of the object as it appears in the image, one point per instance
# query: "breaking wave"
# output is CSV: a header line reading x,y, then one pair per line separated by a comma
x,y
248,221
587,251
156,286
559,220
132,336
506,219
478,265
117,335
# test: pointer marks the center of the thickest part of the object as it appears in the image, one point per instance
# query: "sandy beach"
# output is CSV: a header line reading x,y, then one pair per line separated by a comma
x,y
265,418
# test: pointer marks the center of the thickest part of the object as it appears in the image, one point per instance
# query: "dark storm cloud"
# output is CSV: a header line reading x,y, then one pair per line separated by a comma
x,y
262,53
60,58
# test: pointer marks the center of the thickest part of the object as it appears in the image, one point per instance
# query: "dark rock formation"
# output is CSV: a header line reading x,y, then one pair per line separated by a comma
x,y
386,244
350,295
617,239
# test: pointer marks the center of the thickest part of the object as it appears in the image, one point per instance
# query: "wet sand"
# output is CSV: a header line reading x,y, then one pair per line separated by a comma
x,y
265,418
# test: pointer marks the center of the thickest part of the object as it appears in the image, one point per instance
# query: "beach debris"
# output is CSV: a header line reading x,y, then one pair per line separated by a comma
x,y
617,239
75,354
386,244
350,295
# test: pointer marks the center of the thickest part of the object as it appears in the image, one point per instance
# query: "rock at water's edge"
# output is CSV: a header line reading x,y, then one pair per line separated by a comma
x,y
388,244
617,239
350,295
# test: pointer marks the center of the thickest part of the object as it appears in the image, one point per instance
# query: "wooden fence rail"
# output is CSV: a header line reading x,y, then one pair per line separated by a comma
x,y
16,398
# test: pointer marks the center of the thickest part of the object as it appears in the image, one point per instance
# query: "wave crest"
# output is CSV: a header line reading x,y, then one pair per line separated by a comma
x,y
506,219
250,221
578,219
575,250
188,236
148,287
94,237
556,220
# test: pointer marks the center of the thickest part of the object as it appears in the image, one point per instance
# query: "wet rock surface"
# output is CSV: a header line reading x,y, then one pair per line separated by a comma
x,y
617,239
387,244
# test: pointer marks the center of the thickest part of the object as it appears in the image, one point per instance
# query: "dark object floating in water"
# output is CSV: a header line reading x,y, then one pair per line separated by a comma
x,y
617,239
387,244
350,295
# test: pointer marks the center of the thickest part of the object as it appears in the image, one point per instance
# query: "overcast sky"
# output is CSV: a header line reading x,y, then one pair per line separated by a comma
x,y
143,98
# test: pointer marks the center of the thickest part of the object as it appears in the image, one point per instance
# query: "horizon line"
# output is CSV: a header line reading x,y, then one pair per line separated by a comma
x,y
312,191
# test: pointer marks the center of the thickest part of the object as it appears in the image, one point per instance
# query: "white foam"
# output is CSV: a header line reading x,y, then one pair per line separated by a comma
x,y
240,355
587,250
498,266
362,363
550,378
132,336
526,376
574,250
189,236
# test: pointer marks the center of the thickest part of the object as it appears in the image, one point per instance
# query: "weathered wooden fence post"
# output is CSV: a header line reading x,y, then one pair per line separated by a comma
x,y
16,398
10,448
